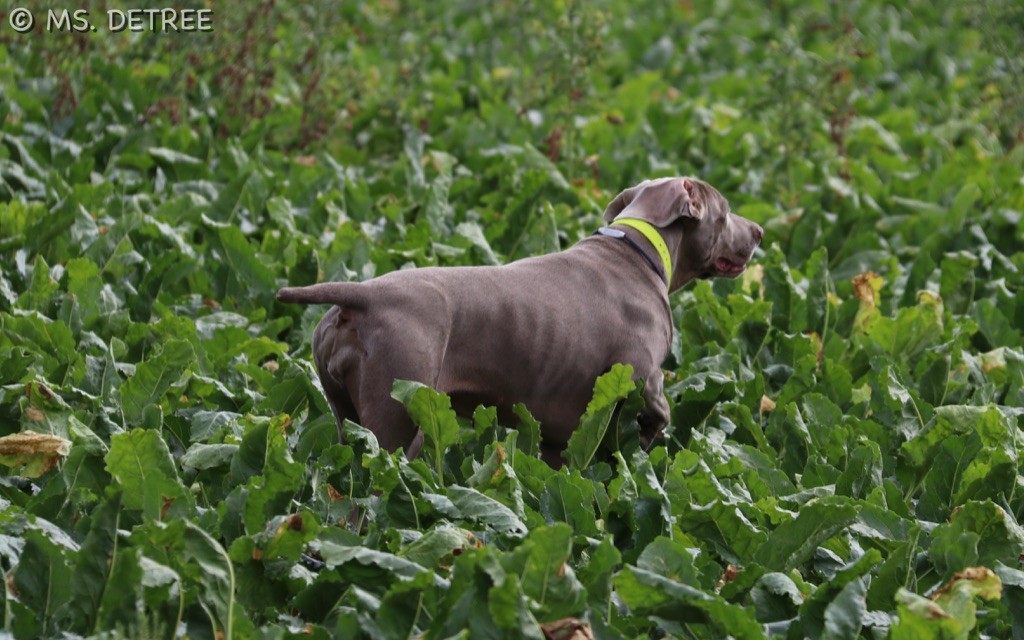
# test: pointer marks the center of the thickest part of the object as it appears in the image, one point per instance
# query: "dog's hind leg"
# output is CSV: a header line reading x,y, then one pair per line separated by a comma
x,y
358,362
388,419
417,357
332,356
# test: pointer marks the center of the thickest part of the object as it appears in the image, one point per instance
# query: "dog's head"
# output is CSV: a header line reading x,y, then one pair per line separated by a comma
x,y
710,240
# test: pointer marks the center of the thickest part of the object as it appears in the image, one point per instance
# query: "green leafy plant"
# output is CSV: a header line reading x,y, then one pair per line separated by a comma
x,y
844,453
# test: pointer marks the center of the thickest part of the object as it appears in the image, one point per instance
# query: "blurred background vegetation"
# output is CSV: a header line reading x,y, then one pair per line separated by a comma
x,y
853,126
761,99
882,132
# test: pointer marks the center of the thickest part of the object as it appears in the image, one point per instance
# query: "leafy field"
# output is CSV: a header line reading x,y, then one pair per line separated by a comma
x,y
844,458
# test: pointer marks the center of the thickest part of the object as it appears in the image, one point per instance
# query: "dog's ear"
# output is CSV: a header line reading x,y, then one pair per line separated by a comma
x,y
621,201
660,202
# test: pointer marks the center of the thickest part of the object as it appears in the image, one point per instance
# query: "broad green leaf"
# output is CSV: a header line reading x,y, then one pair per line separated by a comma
x,y
1013,593
436,544
41,288
246,190
944,474
639,510
793,542
280,211
993,324
819,287
278,479
957,419
508,606
42,577
462,612
978,533
123,595
86,285
432,412
85,478
172,157
208,456
935,380
529,430
845,614
789,301
838,607
893,575
609,389
157,580
473,505
210,566
497,476
957,288
91,579
596,576
776,597
648,593
106,583
436,208
863,471
154,377
475,235
542,561
142,466
962,204
669,558
255,448
335,555
570,499
408,607
244,263
52,343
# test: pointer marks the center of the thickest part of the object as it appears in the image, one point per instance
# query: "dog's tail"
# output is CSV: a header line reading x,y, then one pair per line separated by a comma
x,y
351,295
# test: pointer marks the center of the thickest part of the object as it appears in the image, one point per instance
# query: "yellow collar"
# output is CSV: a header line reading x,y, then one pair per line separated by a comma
x,y
652,235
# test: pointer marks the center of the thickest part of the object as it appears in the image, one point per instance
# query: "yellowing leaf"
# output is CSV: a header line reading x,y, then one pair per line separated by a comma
x,y
36,453
995,359
951,610
866,287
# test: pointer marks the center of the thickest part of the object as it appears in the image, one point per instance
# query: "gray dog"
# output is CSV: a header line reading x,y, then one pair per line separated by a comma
x,y
537,331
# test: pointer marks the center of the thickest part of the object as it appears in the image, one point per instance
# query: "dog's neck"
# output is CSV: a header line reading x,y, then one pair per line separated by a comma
x,y
682,267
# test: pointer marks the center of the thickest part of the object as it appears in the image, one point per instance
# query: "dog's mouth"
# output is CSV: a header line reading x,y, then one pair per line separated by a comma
x,y
729,268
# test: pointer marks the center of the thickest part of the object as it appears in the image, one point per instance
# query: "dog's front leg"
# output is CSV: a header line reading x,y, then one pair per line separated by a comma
x,y
655,415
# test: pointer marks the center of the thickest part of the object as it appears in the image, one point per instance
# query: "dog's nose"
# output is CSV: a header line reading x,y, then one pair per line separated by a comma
x,y
758,233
